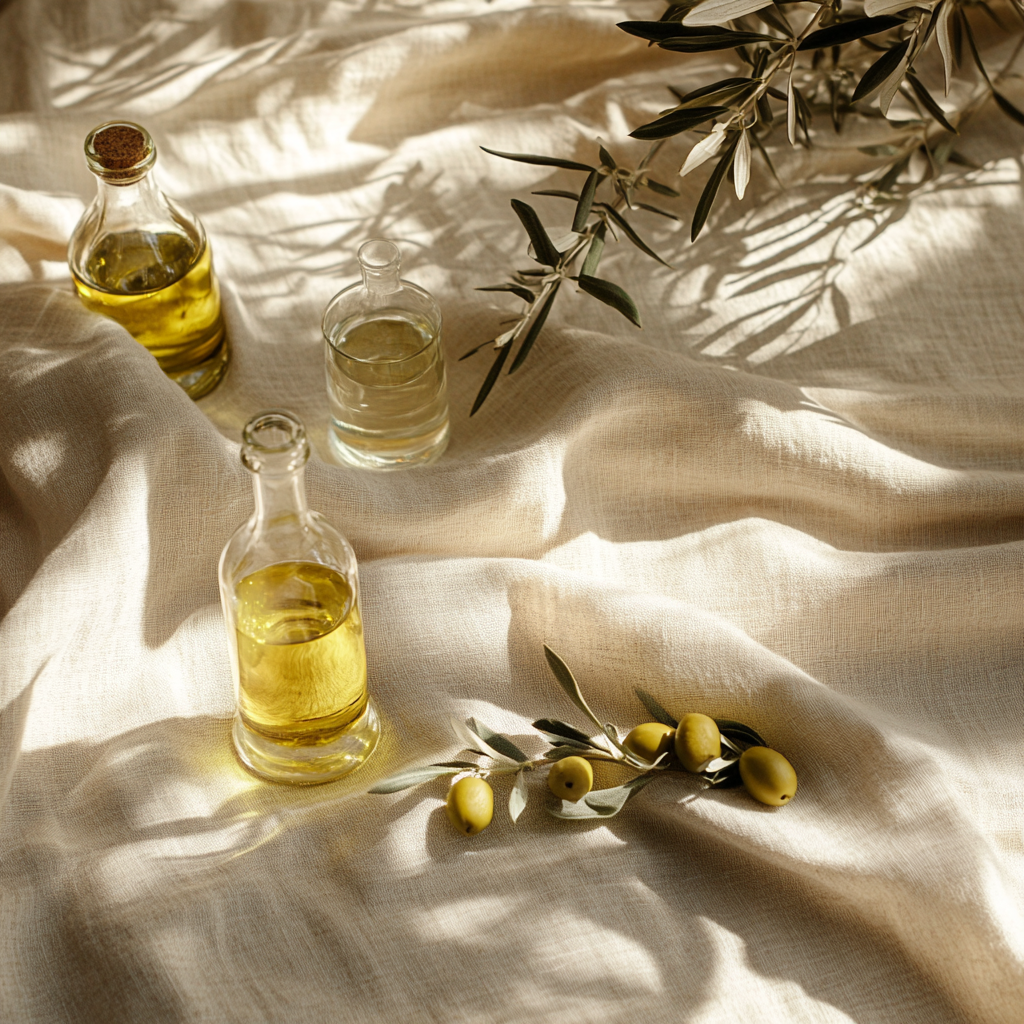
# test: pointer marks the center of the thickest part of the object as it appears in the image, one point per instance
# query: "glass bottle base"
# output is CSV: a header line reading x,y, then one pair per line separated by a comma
x,y
307,766
375,450
201,379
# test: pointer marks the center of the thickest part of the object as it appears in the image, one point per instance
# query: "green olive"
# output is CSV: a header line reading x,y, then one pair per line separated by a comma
x,y
697,741
650,740
470,805
768,776
572,778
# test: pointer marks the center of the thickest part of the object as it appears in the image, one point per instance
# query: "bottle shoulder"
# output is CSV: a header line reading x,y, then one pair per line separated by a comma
x,y
357,302
296,539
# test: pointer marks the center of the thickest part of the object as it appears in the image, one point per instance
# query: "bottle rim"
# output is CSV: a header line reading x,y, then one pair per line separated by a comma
x,y
118,169
274,441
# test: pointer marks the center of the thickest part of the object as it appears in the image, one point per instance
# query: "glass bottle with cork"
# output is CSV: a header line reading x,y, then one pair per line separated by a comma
x,y
143,260
290,591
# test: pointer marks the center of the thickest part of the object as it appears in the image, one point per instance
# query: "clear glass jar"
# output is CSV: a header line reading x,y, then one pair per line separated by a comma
x,y
144,261
290,592
385,368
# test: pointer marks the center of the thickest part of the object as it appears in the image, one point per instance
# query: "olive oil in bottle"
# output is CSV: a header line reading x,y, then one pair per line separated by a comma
x,y
301,661
290,589
142,260
162,291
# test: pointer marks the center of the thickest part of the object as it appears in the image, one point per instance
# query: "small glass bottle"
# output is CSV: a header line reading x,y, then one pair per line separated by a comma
x,y
385,368
290,592
144,261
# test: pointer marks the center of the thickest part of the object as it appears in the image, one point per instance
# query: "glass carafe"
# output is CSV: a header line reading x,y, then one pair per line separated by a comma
x,y
144,261
290,591
385,368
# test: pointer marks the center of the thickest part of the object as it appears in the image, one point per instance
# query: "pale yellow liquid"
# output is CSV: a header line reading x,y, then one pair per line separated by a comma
x,y
165,294
386,384
301,658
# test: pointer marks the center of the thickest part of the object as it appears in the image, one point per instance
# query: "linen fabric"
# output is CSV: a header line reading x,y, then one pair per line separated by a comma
x,y
795,499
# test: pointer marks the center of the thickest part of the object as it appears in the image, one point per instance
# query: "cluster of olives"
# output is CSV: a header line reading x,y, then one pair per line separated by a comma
x,y
694,744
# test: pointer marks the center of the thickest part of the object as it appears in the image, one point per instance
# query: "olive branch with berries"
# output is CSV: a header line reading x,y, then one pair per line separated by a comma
x,y
693,743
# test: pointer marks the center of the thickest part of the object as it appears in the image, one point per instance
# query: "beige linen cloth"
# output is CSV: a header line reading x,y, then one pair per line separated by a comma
x,y
795,499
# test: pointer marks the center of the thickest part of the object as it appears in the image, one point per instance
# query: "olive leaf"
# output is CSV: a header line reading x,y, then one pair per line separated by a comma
x,y
500,743
492,376
516,289
473,741
579,221
655,209
664,190
879,72
627,230
414,777
611,295
942,36
567,680
847,31
595,250
535,328
711,12
542,244
601,803
561,193
740,732
517,798
540,161
557,732
727,778
676,122
928,102
707,197
702,41
654,709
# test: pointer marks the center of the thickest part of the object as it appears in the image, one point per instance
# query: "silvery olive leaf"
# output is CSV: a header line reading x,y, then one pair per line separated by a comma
x,y
704,150
727,778
715,12
517,798
877,8
500,743
741,165
413,777
559,732
600,803
474,742
561,672
717,764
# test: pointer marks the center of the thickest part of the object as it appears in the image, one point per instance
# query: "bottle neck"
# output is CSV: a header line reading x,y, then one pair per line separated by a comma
x,y
138,201
280,499
382,281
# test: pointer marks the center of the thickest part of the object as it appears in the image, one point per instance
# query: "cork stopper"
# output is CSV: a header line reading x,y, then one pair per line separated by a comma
x,y
120,152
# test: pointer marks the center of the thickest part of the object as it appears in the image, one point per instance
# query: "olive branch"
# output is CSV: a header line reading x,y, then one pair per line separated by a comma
x,y
504,757
839,64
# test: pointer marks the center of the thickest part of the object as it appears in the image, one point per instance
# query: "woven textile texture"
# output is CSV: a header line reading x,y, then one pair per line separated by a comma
x,y
796,499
